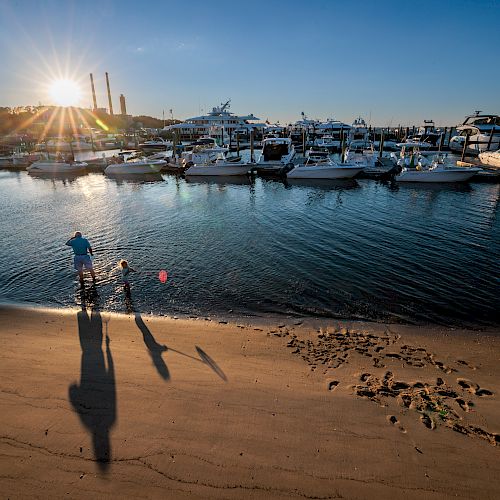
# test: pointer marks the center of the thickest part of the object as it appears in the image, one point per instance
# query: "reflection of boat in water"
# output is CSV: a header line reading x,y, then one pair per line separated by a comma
x,y
56,167
219,179
136,178
135,166
325,184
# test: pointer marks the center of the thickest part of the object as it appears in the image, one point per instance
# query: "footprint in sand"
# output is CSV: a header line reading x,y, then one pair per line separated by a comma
x,y
473,388
464,405
427,421
394,421
332,385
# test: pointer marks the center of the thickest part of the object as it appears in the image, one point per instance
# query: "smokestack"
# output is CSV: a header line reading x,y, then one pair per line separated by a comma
x,y
123,107
109,95
93,91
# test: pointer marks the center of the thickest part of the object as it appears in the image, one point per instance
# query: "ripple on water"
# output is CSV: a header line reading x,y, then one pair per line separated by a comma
x,y
348,250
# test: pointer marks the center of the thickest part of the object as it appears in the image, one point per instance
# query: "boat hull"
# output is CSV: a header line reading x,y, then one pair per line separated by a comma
x,y
131,168
491,159
219,170
324,172
455,175
56,168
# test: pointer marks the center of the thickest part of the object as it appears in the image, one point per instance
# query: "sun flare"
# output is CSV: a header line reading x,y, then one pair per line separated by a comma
x,y
65,92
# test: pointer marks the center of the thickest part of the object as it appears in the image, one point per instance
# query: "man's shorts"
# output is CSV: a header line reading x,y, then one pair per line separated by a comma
x,y
81,261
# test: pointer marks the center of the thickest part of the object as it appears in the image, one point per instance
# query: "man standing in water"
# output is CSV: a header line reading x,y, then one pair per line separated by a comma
x,y
80,247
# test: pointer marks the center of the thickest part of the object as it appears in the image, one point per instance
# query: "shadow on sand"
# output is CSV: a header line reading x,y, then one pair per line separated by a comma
x,y
156,350
94,399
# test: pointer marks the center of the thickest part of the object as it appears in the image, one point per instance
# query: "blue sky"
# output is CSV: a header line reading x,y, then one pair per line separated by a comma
x,y
398,62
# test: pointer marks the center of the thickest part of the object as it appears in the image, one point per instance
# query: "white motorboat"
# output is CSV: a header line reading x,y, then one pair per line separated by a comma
x,y
326,141
362,152
438,171
156,144
277,155
490,158
56,167
221,166
319,165
427,133
483,131
411,155
135,166
60,145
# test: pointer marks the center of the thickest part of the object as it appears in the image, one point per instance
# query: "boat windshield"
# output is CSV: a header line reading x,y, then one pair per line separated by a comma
x,y
274,152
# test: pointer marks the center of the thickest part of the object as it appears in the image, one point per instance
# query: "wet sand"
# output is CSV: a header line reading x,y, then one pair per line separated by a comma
x,y
96,405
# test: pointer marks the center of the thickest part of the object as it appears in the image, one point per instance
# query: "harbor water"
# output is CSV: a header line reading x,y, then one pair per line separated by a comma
x,y
355,249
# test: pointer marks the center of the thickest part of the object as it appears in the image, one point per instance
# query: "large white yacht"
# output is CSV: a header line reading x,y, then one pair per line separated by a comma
x,y
482,128
219,123
277,155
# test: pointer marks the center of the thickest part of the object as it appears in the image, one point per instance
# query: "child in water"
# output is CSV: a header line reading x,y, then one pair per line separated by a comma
x,y
126,270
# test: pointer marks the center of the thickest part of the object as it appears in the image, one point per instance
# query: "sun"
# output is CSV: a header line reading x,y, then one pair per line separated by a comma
x,y
65,92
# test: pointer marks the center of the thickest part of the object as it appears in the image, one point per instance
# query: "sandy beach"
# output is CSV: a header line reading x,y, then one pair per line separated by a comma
x,y
96,405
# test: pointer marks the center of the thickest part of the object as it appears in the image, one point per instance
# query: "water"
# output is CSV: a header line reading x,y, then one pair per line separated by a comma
x,y
345,249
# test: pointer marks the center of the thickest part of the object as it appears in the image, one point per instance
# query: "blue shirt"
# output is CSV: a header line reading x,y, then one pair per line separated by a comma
x,y
79,245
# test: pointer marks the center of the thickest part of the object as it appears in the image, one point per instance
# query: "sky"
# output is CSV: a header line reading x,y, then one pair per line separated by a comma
x,y
391,62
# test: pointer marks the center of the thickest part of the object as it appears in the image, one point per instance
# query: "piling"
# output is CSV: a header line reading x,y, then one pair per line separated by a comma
x,y
381,146
491,137
466,145
251,146
238,144
303,142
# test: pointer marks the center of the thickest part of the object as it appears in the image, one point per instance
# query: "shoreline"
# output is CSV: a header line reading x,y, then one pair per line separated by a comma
x,y
128,406
263,319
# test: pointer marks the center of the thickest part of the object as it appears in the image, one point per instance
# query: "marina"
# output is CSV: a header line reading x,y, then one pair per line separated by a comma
x,y
250,251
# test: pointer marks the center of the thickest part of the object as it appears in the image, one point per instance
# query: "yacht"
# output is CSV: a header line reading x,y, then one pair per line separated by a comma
x,y
327,141
156,144
56,167
359,131
427,133
437,171
277,155
480,128
361,151
219,123
222,166
135,166
319,165
490,158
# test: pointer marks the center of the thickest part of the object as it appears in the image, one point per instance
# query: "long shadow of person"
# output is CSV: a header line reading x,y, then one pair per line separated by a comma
x,y
95,398
155,350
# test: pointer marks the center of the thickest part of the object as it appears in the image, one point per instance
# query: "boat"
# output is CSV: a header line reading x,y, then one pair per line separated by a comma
x,y
411,155
220,166
427,133
56,167
155,144
482,130
490,158
135,166
326,141
276,156
438,171
319,165
219,123
60,145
